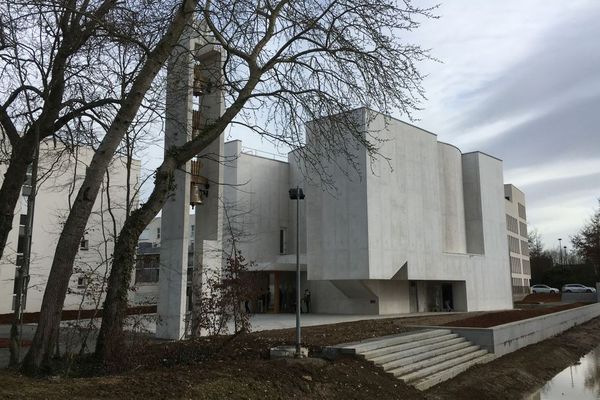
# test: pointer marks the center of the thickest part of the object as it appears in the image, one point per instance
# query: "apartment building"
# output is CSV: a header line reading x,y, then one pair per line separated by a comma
x,y
518,245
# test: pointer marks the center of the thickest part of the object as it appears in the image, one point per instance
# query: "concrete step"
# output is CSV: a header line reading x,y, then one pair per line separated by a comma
x,y
424,353
434,379
388,341
376,353
425,363
424,372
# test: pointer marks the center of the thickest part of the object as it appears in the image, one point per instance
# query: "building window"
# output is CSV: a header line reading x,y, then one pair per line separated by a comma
x,y
512,224
524,248
84,245
158,233
526,267
513,244
523,229
515,265
282,241
192,230
81,282
522,211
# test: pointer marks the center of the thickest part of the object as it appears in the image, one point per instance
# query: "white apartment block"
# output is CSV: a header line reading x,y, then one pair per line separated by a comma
x,y
60,176
518,245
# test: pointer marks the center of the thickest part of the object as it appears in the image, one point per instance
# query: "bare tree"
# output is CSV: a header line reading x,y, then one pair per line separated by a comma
x,y
47,67
62,265
587,241
287,63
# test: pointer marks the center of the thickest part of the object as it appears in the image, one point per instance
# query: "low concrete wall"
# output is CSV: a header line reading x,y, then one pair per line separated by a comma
x,y
504,339
578,297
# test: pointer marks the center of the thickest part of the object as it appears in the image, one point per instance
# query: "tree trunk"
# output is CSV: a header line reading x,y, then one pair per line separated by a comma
x,y
68,244
21,158
110,340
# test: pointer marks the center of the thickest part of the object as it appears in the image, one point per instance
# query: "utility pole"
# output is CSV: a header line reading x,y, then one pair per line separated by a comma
x,y
22,278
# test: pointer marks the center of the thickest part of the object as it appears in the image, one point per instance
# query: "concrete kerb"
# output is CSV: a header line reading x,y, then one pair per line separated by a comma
x,y
506,338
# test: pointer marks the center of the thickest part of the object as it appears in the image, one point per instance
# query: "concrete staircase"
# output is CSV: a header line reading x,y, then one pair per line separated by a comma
x,y
421,359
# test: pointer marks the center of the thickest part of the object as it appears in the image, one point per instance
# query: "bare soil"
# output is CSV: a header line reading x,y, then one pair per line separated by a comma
x,y
504,317
70,315
540,298
5,343
237,368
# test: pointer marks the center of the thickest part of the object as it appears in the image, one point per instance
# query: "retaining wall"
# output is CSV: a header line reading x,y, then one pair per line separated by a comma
x,y
504,339
578,297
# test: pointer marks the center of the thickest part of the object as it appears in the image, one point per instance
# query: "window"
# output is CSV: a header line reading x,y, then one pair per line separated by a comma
x,y
524,248
81,282
158,233
192,230
522,211
513,244
526,267
84,245
282,241
515,265
523,229
512,224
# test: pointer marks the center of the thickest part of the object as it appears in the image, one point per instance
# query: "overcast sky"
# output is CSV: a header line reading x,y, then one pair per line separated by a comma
x,y
520,80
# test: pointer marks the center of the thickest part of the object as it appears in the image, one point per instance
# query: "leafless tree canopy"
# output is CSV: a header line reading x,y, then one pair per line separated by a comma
x,y
318,59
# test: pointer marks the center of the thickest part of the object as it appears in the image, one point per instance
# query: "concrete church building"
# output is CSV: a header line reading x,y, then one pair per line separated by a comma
x,y
421,228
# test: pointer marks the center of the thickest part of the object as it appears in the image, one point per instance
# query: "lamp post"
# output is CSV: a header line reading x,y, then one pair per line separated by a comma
x,y
560,251
566,259
297,194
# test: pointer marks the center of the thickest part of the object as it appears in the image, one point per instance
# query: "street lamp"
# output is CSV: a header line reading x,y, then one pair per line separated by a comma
x,y
566,261
297,194
560,251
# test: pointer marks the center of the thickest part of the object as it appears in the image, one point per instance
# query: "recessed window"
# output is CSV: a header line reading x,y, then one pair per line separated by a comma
x,y
81,282
158,233
282,241
84,245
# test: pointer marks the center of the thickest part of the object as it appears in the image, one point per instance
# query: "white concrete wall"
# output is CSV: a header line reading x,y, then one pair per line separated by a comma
x,y
452,198
415,194
256,195
337,219
52,206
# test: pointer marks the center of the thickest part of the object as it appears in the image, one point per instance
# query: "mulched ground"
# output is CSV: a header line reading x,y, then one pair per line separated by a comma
x,y
70,315
488,320
5,343
540,298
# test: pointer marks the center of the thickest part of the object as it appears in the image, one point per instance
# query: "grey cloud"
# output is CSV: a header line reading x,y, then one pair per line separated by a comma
x,y
563,65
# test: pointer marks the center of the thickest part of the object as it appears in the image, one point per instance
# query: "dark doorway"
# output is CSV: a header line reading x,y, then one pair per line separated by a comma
x,y
447,298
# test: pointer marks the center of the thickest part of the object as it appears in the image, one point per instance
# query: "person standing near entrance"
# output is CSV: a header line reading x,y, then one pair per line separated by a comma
x,y
307,299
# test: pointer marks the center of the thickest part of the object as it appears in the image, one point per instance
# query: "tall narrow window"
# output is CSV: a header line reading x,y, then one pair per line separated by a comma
x,y
158,233
282,241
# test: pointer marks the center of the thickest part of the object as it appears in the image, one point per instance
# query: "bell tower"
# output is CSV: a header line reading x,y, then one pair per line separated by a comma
x,y
194,99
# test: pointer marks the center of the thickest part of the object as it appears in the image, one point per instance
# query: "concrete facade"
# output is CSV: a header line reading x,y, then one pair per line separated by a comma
x,y
423,215
422,228
518,244
61,176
